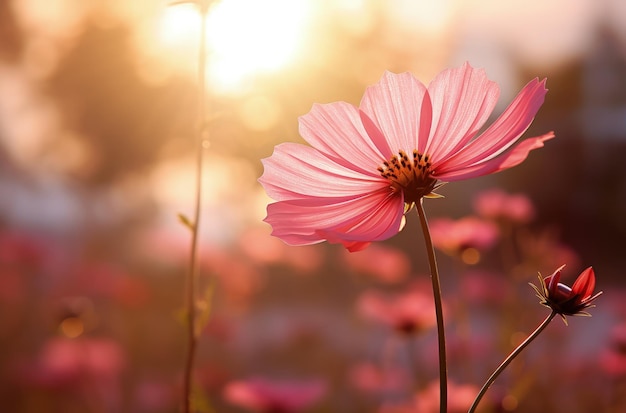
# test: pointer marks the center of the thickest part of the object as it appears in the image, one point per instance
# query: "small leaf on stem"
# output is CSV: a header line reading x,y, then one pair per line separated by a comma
x,y
183,219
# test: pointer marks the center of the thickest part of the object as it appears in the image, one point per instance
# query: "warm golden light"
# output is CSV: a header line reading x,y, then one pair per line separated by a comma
x,y
470,256
244,37
178,25
250,36
72,327
509,403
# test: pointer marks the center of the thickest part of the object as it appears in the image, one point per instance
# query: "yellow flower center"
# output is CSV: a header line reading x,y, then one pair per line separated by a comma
x,y
410,177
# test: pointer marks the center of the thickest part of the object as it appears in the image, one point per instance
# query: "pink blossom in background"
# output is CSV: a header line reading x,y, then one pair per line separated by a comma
x,y
453,236
64,362
365,164
407,312
385,264
497,204
460,398
275,396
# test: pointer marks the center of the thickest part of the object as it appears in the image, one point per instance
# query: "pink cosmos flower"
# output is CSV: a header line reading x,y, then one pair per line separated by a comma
x,y
365,164
66,362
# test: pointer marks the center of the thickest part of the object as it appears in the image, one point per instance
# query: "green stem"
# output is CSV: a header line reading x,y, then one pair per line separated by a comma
x,y
510,358
434,276
192,334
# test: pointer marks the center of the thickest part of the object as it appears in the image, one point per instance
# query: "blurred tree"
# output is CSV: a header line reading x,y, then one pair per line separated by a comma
x,y
10,38
125,122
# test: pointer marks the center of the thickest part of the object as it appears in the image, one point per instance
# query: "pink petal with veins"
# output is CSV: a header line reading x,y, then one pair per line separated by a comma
x,y
394,105
298,172
371,217
503,133
462,99
336,130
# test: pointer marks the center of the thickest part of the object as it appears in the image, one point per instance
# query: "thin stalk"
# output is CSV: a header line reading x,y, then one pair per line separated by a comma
x,y
192,334
441,336
510,358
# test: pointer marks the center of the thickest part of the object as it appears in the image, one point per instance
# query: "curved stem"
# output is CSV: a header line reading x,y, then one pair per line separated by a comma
x,y
192,334
434,276
510,358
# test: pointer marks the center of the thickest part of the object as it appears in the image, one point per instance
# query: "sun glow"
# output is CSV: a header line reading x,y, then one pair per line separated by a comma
x,y
244,37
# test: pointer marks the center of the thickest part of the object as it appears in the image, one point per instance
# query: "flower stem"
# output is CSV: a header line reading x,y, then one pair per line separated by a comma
x,y
192,333
434,276
510,358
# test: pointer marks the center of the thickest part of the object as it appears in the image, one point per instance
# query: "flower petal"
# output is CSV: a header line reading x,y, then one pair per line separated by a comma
x,y
505,161
462,99
297,171
585,284
400,108
371,217
502,133
336,130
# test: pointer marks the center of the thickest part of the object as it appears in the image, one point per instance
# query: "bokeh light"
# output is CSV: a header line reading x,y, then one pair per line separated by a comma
x,y
248,36
245,38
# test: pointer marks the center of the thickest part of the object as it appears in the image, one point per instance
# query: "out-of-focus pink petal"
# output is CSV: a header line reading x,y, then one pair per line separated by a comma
x,y
462,99
297,171
409,312
497,204
501,134
508,160
264,395
371,217
396,106
470,232
242,394
336,130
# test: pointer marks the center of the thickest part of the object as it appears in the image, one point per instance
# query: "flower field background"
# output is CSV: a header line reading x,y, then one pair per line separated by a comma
x,y
97,118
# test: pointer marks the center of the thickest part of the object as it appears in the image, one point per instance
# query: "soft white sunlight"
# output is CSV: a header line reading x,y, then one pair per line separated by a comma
x,y
244,37
178,26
